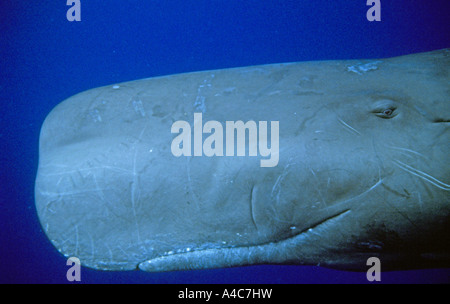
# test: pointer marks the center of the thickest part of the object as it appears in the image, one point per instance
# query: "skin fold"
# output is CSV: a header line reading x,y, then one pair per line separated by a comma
x,y
363,169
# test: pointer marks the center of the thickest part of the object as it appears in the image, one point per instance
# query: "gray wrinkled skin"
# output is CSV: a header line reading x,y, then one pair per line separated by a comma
x,y
363,169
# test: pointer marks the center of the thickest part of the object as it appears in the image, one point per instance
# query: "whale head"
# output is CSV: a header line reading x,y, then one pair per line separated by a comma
x,y
362,168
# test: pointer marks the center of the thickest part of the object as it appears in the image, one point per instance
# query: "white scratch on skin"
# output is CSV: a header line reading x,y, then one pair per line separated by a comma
x,y
322,200
252,208
59,180
419,197
349,127
274,92
422,175
49,203
191,191
112,168
277,188
139,107
76,240
229,89
110,253
379,182
99,190
279,180
92,247
370,189
134,188
199,103
95,115
376,185
408,150
58,194
123,251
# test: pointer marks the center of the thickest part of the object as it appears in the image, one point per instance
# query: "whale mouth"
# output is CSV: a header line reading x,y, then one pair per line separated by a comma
x,y
441,120
239,255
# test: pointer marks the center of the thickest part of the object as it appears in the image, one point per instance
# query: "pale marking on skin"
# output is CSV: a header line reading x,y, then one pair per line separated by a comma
x,y
361,68
92,246
376,185
349,127
58,194
85,169
252,209
322,200
59,180
134,186
124,252
408,150
362,194
111,256
95,115
419,197
99,190
66,240
422,175
280,179
274,92
191,190
138,107
76,240
276,187
199,103
379,182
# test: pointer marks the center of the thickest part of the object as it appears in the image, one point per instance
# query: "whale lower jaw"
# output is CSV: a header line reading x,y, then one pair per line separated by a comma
x,y
306,248
280,252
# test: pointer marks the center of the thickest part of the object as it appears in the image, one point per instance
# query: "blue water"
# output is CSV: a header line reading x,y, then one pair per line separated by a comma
x,y
45,59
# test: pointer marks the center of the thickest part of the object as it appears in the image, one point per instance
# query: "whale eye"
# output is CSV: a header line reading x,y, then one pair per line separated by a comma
x,y
386,113
384,108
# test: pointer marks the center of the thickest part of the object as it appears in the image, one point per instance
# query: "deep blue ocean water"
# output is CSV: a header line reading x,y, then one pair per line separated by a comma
x,y
46,59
